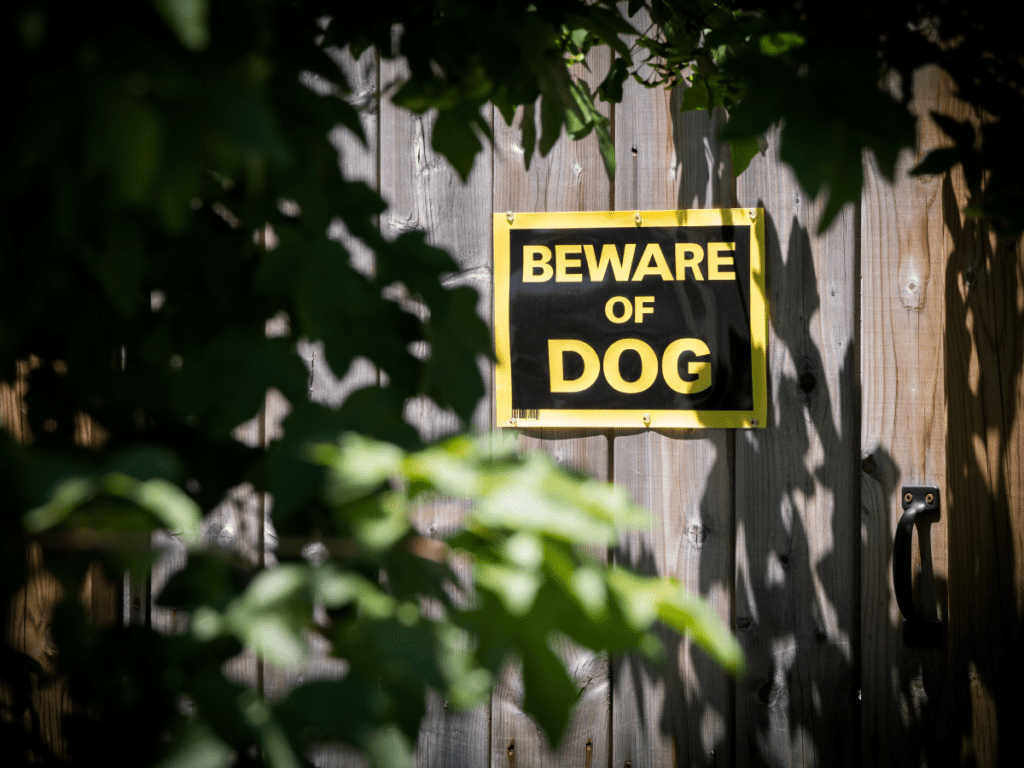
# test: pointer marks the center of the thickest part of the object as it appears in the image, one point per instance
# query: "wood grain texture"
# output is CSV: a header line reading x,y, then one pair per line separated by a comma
x,y
905,690
29,631
570,178
357,161
796,496
423,191
682,715
984,292
13,408
28,627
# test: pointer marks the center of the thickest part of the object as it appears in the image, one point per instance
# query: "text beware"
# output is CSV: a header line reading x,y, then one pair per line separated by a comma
x,y
689,258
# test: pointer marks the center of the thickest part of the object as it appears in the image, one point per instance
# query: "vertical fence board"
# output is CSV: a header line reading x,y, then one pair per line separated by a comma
x,y
29,631
28,626
796,500
682,715
985,472
424,192
357,162
571,178
905,692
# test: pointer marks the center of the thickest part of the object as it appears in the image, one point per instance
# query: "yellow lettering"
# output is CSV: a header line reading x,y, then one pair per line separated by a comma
x,y
660,266
700,368
688,257
591,365
648,366
563,262
716,261
627,309
537,257
610,255
642,307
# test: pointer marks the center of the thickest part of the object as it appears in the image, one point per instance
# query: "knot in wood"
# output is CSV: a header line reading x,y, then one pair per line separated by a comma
x,y
768,693
808,382
697,534
806,378
912,294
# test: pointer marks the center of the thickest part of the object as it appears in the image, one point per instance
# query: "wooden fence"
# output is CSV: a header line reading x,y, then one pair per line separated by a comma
x,y
894,358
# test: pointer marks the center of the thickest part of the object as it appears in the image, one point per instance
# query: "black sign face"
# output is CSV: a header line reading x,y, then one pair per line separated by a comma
x,y
620,324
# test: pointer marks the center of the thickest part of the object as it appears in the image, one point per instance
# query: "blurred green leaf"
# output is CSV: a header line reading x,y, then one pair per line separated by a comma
x,y
197,747
181,234
188,19
743,151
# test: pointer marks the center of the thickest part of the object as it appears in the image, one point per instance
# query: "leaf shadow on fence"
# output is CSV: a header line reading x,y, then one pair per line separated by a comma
x,y
984,362
796,591
798,531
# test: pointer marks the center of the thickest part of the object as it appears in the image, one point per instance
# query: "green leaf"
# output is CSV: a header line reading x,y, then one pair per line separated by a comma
x,y
552,118
778,43
197,746
454,137
610,89
135,134
743,151
606,146
387,747
171,506
188,20
529,133
645,599
690,615
696,96
67,496
549,692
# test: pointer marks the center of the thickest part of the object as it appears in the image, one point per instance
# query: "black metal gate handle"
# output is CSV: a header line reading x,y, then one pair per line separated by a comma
x,y
917,501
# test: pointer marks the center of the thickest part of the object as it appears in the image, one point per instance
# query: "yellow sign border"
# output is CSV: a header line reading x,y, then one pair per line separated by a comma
x,y
630,418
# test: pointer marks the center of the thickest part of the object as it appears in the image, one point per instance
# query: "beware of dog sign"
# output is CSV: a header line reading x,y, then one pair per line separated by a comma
x,y
630,319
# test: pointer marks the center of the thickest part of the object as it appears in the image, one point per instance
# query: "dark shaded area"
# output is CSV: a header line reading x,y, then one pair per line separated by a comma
x,y
984,321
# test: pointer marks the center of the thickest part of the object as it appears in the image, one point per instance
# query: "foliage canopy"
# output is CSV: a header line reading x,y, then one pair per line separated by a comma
x,y
156,149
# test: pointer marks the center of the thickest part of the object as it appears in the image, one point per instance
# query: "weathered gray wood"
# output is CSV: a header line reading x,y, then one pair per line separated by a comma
x,y
984,507
424,192
904,246
796,497
360,162
570,178
682,715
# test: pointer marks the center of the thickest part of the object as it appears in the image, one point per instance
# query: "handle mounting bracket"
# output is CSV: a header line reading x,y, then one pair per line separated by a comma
x,y
918,501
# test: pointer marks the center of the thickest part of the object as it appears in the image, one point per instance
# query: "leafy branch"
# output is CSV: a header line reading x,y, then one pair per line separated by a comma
x,y
168,190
